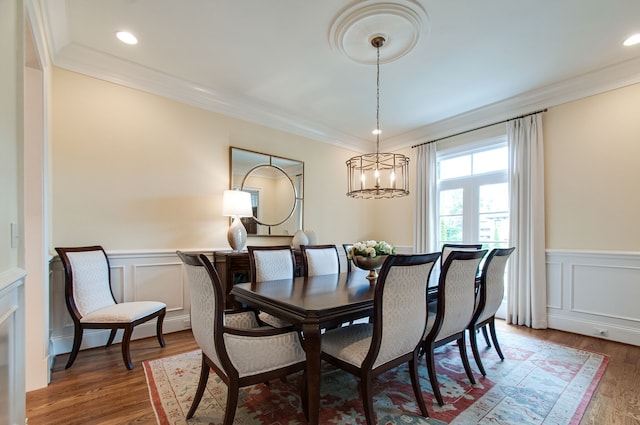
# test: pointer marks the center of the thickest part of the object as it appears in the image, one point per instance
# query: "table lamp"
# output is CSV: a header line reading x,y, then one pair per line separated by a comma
x,y
236,204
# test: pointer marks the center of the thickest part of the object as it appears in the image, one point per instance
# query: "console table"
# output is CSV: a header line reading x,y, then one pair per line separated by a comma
x,y
233,268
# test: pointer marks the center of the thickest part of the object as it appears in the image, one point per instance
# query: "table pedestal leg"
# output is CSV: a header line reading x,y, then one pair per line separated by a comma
x,y
311,333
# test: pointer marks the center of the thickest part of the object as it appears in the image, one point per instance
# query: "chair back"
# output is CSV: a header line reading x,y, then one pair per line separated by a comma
x,y
207,304
400,302
347,248
447,248
492,284
271,262
87,280
320,259
456,293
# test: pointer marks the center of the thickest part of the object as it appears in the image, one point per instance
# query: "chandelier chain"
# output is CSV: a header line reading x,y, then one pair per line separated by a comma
x,y
378,99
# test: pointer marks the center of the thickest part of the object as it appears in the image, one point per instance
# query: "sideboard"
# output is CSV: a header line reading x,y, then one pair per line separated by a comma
x,y
233,268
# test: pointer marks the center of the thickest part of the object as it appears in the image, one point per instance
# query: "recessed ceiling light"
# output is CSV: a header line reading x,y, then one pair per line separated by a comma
x,y
634,39
126,37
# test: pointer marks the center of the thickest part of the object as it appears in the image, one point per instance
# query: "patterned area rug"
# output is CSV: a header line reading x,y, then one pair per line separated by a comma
x,y
538,383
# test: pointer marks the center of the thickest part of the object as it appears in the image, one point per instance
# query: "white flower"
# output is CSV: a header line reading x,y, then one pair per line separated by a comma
x,y
371,248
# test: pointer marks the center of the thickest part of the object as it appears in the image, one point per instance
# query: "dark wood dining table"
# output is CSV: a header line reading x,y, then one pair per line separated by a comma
x,y
311,304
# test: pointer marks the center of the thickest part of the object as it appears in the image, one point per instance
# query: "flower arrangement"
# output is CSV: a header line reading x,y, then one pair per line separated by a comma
x,y
371,249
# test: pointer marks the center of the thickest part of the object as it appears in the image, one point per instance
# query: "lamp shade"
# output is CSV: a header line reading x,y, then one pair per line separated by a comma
x,y
236,203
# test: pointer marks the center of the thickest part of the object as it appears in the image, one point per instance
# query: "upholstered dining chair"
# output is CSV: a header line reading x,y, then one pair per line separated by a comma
x,y
450,315
447,248
393,337
488,299
347,248
91,303
233,344
320,259
271,263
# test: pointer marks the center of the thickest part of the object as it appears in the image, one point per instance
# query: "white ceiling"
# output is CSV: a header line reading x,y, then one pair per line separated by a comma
x,y
272,61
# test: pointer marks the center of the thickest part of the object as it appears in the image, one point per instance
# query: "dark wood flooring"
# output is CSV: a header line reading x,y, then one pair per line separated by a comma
x,y
98,389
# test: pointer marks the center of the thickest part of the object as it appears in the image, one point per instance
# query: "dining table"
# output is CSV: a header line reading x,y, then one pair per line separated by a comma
x,y
312,304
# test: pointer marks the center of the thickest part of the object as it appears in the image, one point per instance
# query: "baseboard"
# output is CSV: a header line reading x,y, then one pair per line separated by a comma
x,y
595,329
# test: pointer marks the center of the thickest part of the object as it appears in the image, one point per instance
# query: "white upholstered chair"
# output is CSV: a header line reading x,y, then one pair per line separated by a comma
x,y
450,315
395,333
347,248
233,344
92,305
488,299
271,263
447,248
320,259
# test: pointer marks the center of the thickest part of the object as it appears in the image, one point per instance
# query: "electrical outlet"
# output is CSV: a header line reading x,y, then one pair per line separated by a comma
x,y
600,332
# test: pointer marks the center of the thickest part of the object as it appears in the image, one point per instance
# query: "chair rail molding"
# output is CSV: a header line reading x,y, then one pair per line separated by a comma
x,y
594,293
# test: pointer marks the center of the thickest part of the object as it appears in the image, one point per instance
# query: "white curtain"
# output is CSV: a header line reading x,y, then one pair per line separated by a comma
x,y
527,292
426,202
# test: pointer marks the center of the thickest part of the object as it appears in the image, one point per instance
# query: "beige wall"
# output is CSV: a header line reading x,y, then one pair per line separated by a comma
x,y
10,128
132,170
592,172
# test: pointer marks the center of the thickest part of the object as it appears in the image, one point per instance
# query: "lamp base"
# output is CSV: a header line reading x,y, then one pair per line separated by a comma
x,y
237,235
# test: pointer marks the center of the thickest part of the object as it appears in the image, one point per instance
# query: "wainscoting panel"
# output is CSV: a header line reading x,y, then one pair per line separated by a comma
x,y
135,276
12,346
594,293
160,282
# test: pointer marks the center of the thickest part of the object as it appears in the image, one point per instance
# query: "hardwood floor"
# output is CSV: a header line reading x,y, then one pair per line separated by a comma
x,y
98,389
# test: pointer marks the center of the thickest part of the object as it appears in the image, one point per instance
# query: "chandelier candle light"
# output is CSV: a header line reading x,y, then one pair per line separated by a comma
x,y
236,204
378,175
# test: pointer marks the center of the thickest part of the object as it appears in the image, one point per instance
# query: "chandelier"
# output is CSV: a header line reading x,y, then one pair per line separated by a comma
x,y
378,175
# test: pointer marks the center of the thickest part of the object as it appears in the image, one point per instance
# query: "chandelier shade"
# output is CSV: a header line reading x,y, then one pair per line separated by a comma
x,y
378,175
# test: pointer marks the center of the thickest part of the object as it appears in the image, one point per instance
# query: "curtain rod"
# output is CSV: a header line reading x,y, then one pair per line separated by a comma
x,y
479,128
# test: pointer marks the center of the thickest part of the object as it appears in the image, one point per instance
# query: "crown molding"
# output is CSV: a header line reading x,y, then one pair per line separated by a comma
x,y
589,84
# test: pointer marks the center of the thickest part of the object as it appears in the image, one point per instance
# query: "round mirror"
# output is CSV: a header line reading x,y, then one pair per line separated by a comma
x,y
271,182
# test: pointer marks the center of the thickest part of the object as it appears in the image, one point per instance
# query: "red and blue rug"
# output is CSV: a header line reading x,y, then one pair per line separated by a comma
x,y
538,383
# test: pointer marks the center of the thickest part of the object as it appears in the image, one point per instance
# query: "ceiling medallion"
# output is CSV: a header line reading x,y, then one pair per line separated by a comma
x,y
400,24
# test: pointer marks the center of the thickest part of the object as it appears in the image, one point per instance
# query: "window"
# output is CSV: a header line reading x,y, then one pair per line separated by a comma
x,y
473,194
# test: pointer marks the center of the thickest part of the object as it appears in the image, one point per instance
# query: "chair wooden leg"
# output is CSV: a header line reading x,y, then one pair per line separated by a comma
x,y
202,384
465,360
159,330
431,368
492,328
474,348
232,402
126,339
112,336
415,383
77,340
486,336
366,388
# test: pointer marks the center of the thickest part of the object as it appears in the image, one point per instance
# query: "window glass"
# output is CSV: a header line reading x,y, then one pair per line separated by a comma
x,y
490,160
455,167
451,215
494,215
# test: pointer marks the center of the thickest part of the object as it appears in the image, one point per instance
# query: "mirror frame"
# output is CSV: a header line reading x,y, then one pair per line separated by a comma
x,y
265,160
